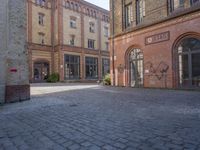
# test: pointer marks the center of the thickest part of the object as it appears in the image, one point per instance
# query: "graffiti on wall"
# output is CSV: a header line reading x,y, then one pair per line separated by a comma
x,y
159,71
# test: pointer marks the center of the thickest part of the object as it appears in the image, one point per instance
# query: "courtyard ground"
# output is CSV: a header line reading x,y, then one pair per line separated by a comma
x,y
93,117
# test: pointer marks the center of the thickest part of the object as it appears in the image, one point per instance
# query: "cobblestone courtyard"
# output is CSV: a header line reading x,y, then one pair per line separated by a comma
x,y
95,117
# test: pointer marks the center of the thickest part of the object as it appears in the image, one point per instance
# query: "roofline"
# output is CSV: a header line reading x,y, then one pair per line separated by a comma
x,y
94,6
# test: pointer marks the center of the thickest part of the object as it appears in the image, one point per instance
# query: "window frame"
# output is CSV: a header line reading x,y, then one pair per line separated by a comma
x,y
91,43
41,19
91,63
73,63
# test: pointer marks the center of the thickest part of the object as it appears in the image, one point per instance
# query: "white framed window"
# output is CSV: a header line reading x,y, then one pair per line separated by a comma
x,y
106,31
140,10
40,2
73,22
72,40
92,27
91,44
128,11
107,45
41,38
41,19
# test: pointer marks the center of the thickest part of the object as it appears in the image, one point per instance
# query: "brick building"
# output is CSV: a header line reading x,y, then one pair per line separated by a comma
x,y
69,37
14,75
155,43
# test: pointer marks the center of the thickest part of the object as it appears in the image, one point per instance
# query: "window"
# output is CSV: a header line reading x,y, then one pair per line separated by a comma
x,y
72,4
140,11
76,7
103,17
95,14
72,40
91,67
189,62
107,46
91,27
176,5
67,4
88,12
192,2
106,34
40,2
136,75
72,67
105,66
41,19
91,43
73,22
41,38
128,15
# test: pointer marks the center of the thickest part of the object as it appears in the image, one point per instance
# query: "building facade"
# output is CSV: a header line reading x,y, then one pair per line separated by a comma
x,y
14,75
69,37
155,43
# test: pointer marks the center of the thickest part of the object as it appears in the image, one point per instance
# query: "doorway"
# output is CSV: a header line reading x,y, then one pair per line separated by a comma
x,y
41,71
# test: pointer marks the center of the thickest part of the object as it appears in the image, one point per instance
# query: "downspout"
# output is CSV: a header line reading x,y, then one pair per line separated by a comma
x,y
53,35
113,42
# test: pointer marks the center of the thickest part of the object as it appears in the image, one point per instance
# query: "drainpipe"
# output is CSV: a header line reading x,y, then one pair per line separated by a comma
x,y
113,42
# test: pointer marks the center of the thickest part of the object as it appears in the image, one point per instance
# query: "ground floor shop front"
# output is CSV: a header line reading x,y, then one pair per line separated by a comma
x,y
72,65
165,55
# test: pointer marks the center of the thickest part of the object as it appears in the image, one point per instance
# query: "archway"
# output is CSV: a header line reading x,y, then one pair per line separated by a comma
x,y
188,62
135,67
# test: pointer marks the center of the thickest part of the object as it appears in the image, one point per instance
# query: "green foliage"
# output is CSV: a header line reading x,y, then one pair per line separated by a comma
x,y
53,78
107,80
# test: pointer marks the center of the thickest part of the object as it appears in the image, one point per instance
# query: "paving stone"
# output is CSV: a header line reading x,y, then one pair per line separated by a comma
x,y
86,144
104,118
74,147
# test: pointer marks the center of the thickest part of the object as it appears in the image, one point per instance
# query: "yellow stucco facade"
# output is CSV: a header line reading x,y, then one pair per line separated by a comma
x,y
50,33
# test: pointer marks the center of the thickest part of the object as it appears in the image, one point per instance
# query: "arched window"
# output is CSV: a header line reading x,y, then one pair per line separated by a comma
x,y
72,5
67,4
136,68
95,14
189,62
76,7
88,12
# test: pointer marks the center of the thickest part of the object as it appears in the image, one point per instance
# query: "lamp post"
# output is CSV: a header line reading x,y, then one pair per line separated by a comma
x,y
113,42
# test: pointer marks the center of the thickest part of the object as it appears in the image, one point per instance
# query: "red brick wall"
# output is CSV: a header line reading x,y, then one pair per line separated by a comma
x,y
16,93
158,53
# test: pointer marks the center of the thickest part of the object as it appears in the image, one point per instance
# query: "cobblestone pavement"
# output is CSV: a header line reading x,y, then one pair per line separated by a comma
x,y
92,117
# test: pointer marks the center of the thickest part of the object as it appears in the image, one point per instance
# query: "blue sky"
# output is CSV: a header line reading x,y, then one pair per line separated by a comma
x,y
101,3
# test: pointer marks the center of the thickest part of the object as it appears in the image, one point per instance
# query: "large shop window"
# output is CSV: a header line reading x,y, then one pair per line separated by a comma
x,y
189,62
72,67
105,66
91,67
